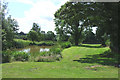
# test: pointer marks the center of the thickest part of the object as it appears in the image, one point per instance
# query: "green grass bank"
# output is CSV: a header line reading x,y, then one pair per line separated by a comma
x,y
86,61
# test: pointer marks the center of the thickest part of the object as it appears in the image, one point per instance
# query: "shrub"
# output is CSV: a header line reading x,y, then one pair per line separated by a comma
x,y
43,53
65,45
9,56
50,56
19,43
45,43
20,56
107,42
6,56
55,50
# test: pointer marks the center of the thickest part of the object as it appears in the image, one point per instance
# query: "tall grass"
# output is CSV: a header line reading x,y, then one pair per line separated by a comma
x,y
19,43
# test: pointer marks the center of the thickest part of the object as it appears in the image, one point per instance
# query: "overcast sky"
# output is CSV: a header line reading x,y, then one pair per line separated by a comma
x,y
39,11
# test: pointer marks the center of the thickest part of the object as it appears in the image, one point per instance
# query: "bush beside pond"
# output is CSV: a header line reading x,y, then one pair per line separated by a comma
x,y
65,44
53,55
45,43
6,56
20,56
9,56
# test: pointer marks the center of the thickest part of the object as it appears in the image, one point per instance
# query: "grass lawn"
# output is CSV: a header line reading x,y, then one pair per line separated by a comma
x,y
78,62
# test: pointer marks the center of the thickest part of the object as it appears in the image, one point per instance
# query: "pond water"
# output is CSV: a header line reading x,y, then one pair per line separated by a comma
x,y
34,49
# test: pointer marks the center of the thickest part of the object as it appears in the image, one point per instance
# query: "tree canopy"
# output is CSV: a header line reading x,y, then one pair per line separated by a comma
x,y
74,17
9,28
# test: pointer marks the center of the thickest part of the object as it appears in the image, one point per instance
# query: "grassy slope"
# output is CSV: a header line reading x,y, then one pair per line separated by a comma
x,y
66,68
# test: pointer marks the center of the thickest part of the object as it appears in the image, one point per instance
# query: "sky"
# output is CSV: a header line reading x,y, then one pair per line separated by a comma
x,y
26,12
39,11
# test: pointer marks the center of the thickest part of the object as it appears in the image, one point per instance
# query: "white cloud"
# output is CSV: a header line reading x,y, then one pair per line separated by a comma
x,y
21,1
42,13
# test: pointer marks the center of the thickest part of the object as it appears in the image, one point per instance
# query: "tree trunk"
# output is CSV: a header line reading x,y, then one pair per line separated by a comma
x,y
76,40
76,34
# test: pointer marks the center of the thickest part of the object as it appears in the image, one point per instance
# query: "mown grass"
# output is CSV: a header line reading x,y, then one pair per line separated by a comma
x,y
71,66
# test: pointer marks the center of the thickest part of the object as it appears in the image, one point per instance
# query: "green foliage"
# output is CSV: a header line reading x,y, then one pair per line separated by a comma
x,y
107,42
33,35
55,50
50,36
90,37
66,68
45,43
36,28
68,18
9,28
9,56
65,44
107,22
50,56
20,56
74,17
71,40
19,43
21,35
6,56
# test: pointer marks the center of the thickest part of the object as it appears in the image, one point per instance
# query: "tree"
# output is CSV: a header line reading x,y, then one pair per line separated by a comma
x,y
22,33
70,19
50,35
107,21
61,34
33,35
36,27
90,37
42,36
9,29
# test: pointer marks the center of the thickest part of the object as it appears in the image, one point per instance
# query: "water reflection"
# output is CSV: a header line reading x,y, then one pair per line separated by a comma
x,y
25,50
34,49
44,49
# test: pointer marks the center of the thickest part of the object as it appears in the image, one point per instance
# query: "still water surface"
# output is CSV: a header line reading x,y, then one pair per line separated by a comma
x,y
34,49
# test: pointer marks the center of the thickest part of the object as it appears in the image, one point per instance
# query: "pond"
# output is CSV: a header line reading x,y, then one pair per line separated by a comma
x,y
34,49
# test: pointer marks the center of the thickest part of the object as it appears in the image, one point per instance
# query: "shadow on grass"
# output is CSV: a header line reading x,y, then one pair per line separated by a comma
x,y
106,58
90,46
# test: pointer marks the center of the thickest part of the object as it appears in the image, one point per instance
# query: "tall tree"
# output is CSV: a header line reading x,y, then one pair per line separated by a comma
x,y
36,27
71,18
107,21
9,29
34,34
